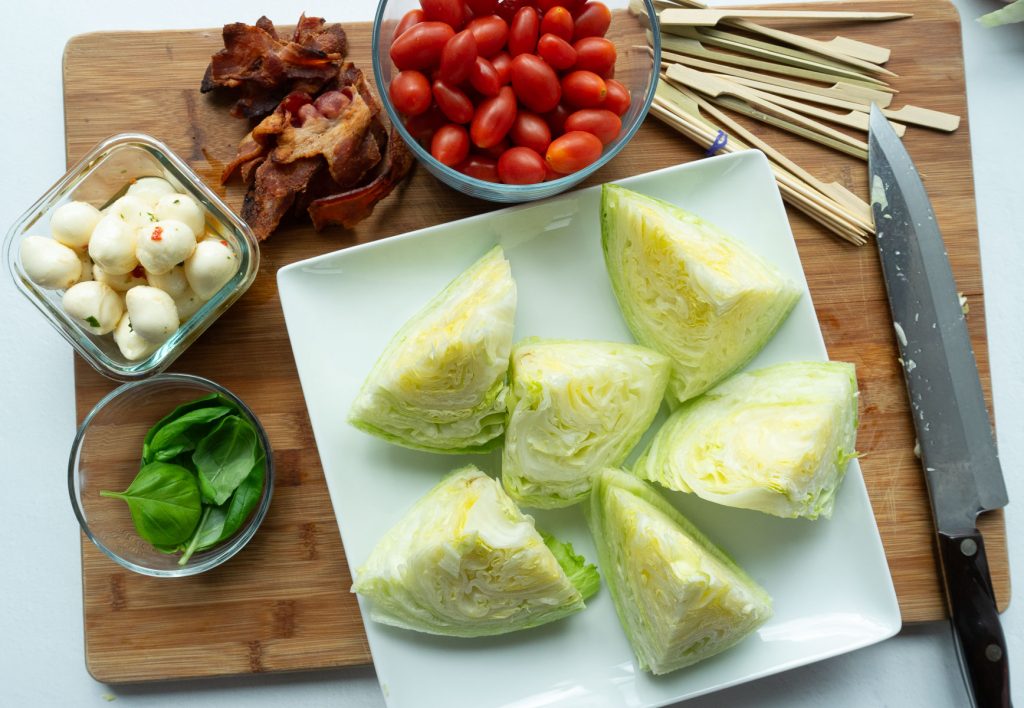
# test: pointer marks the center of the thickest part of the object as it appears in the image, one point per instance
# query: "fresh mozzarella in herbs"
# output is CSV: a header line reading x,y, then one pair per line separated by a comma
x,y
183,208
133,211
72,223
132,346
112,246
164,244
150,189
188,304
210,267
152,312
121,282
49,264
95,305
173,282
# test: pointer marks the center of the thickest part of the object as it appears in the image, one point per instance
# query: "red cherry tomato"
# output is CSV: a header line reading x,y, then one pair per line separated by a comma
x,y
523,33
482,7
502,63
453,102
598,121
421,45
457,58
595,54
494,116
570,5
491,33
572,152
557,21
556,52
530,130
498,149
507,9
592,21
451,12
423,126
618,98
556,119
484,78
482,167
413,17
410,92
535,83
584,89
450,144
521,165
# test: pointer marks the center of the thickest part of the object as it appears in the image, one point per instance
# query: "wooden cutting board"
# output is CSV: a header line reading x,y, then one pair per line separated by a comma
x,y
283,603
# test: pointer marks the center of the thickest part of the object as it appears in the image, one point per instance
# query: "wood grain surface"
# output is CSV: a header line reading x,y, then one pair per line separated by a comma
x,y
283,603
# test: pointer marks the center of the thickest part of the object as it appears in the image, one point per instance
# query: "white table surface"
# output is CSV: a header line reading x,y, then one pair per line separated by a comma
x,y
41,640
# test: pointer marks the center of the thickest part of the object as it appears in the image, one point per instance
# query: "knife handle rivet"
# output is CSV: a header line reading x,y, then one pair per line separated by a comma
x,y
968,547
993,652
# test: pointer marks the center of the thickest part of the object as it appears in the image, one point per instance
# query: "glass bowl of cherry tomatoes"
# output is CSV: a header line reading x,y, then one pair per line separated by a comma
x,y
515,100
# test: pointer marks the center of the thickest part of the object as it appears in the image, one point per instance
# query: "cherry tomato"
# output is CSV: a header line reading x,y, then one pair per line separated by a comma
x,y
498,149
597,121
502,63
480,166
535,83
523,33
484,78
421,45
491,33
570,5
618,98
521,165
457,58
556,52
413,17
410,92
450,144
557,21
450,12
482,7
556,118
592,21
595,54
507,9
494,116
453,102
584,89
573,151
530,130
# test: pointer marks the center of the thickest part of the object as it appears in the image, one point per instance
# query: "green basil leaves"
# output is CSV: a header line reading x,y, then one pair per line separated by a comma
x,y
164,503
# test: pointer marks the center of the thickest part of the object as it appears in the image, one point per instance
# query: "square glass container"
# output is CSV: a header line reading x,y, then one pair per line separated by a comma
x,y
99,178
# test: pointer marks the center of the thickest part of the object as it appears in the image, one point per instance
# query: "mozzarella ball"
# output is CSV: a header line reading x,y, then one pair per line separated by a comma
x,y
112,246
122,282
86,267
152,312
163,245
150,189
95,305
188,304
49,264
133,211
173,282
72,223
183,208
212,265
132,346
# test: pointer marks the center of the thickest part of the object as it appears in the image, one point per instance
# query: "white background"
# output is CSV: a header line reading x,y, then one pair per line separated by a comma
x,y
41,642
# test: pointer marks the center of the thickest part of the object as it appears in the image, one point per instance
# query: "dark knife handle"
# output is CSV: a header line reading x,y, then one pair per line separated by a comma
x,y
972,612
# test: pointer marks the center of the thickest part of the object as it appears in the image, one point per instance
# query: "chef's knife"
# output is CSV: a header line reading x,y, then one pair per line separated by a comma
x,y
958,451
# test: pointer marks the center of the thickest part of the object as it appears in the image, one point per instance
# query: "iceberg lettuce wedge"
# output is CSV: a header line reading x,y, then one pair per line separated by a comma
x,y
440,384
679,598
465,562
575,407
688,290
777,440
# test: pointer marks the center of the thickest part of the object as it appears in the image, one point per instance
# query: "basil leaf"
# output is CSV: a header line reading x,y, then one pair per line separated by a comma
x,y
207,533
164,503
245,498
183,433
224,458
213,399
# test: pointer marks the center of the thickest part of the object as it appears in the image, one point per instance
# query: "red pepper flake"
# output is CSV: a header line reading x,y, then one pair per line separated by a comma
x,y
223,243
157,233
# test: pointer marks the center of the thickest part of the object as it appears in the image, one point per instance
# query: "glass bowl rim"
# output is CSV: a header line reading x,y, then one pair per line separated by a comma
x,y
525,191
230,547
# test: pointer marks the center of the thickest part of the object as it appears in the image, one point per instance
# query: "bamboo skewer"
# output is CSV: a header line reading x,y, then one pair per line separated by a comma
x,y
866,56
856,119
712,16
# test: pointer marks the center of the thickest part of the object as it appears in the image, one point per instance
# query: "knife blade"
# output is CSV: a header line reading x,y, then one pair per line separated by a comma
x,y
958,450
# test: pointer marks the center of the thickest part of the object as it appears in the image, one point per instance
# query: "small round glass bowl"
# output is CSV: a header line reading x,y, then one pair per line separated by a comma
x,y
107,454
636,68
